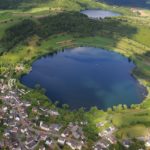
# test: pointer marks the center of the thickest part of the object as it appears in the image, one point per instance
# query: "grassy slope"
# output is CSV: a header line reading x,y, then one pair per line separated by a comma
x,y
135,47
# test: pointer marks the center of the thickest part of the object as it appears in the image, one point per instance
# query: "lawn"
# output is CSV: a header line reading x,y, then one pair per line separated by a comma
x,y
132,132
143,35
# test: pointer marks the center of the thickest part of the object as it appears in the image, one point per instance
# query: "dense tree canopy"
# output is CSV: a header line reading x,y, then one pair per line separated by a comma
x,y
73,23
17,33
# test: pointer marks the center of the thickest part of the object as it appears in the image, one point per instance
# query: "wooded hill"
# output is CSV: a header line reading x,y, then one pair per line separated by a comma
x,y
74,23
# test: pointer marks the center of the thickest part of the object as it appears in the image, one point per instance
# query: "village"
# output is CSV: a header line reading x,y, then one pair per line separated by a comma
x,y
23,133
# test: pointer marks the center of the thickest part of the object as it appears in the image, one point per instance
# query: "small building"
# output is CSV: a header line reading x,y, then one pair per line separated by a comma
x,y
75,145
31,145
61,141
44,127
34,110
55,127
65,133
126,143
147,143
103,143
14,130
111,139
49,142
98,147
29,140
24,130
53,113
43,137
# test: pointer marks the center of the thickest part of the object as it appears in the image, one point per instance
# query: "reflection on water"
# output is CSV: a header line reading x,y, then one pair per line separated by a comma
x,y
86,77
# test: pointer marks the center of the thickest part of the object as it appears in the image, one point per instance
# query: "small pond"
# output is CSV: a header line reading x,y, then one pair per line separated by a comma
x,y
99,13
86,77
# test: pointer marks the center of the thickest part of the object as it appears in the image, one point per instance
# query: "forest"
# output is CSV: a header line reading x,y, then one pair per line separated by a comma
x,y
69,22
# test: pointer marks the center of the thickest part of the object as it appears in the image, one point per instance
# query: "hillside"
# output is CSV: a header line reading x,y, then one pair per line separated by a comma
x,y
32,29
28,4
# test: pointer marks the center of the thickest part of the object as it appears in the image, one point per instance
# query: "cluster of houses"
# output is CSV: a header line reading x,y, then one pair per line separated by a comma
x,y
106,138
73,136
21,132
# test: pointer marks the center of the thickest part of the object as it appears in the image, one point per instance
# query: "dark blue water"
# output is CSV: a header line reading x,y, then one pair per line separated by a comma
x,y
129,3
86,77
99,13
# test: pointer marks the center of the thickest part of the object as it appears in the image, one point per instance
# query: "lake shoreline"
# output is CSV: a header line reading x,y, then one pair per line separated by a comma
x,y
145,91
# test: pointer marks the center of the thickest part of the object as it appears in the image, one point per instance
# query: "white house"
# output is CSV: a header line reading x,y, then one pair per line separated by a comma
x,y
61,140
44,127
